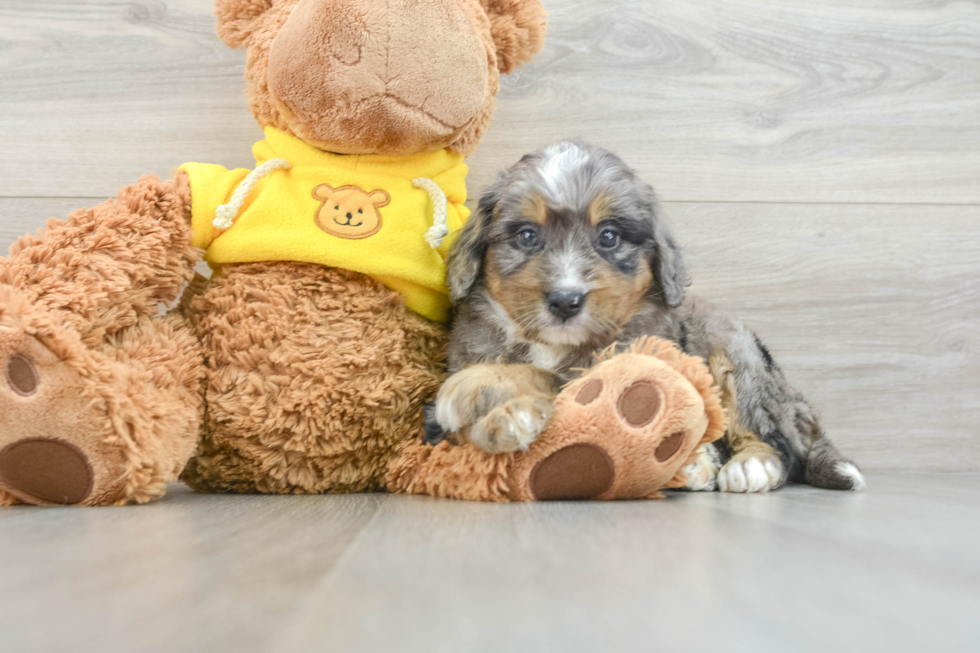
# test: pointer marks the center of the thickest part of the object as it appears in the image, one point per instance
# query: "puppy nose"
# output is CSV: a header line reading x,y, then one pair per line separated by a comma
x,y
565,304
349,216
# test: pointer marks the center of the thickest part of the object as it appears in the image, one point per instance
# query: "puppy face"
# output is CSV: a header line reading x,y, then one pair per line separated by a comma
x,y
570,244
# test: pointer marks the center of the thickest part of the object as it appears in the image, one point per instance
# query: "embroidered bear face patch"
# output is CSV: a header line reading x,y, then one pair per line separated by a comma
x,y
348,211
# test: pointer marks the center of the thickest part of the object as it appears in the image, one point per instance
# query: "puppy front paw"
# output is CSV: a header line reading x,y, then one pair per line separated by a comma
x,y
464,399
702,474
471,395
751,473
513,425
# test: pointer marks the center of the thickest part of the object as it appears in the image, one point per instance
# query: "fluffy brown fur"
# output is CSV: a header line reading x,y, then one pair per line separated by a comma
x,y
132,404
283,377
742,442
322,409
440,98
104,268
79,297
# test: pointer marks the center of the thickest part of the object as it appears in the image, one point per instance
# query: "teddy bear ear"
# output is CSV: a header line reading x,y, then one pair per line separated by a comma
x,y
379,198
518,28
237,19
323,192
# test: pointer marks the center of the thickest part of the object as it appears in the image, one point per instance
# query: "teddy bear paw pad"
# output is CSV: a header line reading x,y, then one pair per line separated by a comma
x,y
578,471
639,404
634,410
50,429
47,469
21,375
35,465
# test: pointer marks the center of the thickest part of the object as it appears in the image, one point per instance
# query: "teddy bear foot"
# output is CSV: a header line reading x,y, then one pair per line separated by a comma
x,y
47,426
73,428
625,430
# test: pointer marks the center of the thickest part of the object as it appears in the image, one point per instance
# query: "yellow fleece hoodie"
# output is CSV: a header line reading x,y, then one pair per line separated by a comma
x,y
372,214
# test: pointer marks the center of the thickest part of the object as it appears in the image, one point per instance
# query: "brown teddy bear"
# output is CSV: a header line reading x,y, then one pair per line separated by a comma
x,y
302,365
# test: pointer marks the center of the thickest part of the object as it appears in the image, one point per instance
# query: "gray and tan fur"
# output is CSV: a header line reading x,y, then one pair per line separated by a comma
x,y
569,253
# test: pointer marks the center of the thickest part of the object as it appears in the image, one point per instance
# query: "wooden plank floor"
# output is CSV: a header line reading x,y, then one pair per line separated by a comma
x,y
820,160
894,569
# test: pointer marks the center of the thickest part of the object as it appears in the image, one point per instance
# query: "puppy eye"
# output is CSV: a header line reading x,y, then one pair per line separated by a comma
x,y
527,238
608,238
336,208
360,210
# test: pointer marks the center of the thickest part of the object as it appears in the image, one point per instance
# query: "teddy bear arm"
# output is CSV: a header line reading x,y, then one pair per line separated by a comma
x,y
104,268
101,402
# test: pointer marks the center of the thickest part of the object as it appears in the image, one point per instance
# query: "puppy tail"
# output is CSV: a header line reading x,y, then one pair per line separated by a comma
x,y
827,468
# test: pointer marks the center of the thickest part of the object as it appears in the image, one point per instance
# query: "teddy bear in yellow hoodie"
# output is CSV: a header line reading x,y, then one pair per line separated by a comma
x,y
304,362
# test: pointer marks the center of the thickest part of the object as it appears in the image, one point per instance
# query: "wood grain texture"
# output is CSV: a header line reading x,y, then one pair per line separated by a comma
x,y
723,100
96,93
872,311
798,570
25,215
760,100
893,569
191,573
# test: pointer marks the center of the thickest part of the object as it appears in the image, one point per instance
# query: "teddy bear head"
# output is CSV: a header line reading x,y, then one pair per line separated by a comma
x,y
395,77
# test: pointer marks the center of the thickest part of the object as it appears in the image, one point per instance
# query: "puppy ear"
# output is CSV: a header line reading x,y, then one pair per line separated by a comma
x,y
238,19
667,264
466,256
518,28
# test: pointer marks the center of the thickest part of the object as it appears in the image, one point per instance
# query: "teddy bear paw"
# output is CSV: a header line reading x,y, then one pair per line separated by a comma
x,y
81,426
623,430
42,406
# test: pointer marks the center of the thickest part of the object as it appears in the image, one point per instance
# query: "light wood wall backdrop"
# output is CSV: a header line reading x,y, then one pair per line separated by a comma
x,y
820,160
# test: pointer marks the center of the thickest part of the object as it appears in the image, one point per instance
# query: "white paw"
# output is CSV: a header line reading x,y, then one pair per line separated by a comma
x,y
851,471
447,414
512,426
756,474
462,398
702,473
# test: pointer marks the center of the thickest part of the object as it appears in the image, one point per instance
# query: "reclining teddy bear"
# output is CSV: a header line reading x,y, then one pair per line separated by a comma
x,y
303,364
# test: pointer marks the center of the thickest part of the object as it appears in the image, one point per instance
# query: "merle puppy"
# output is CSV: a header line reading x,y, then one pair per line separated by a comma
x,y
568,254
